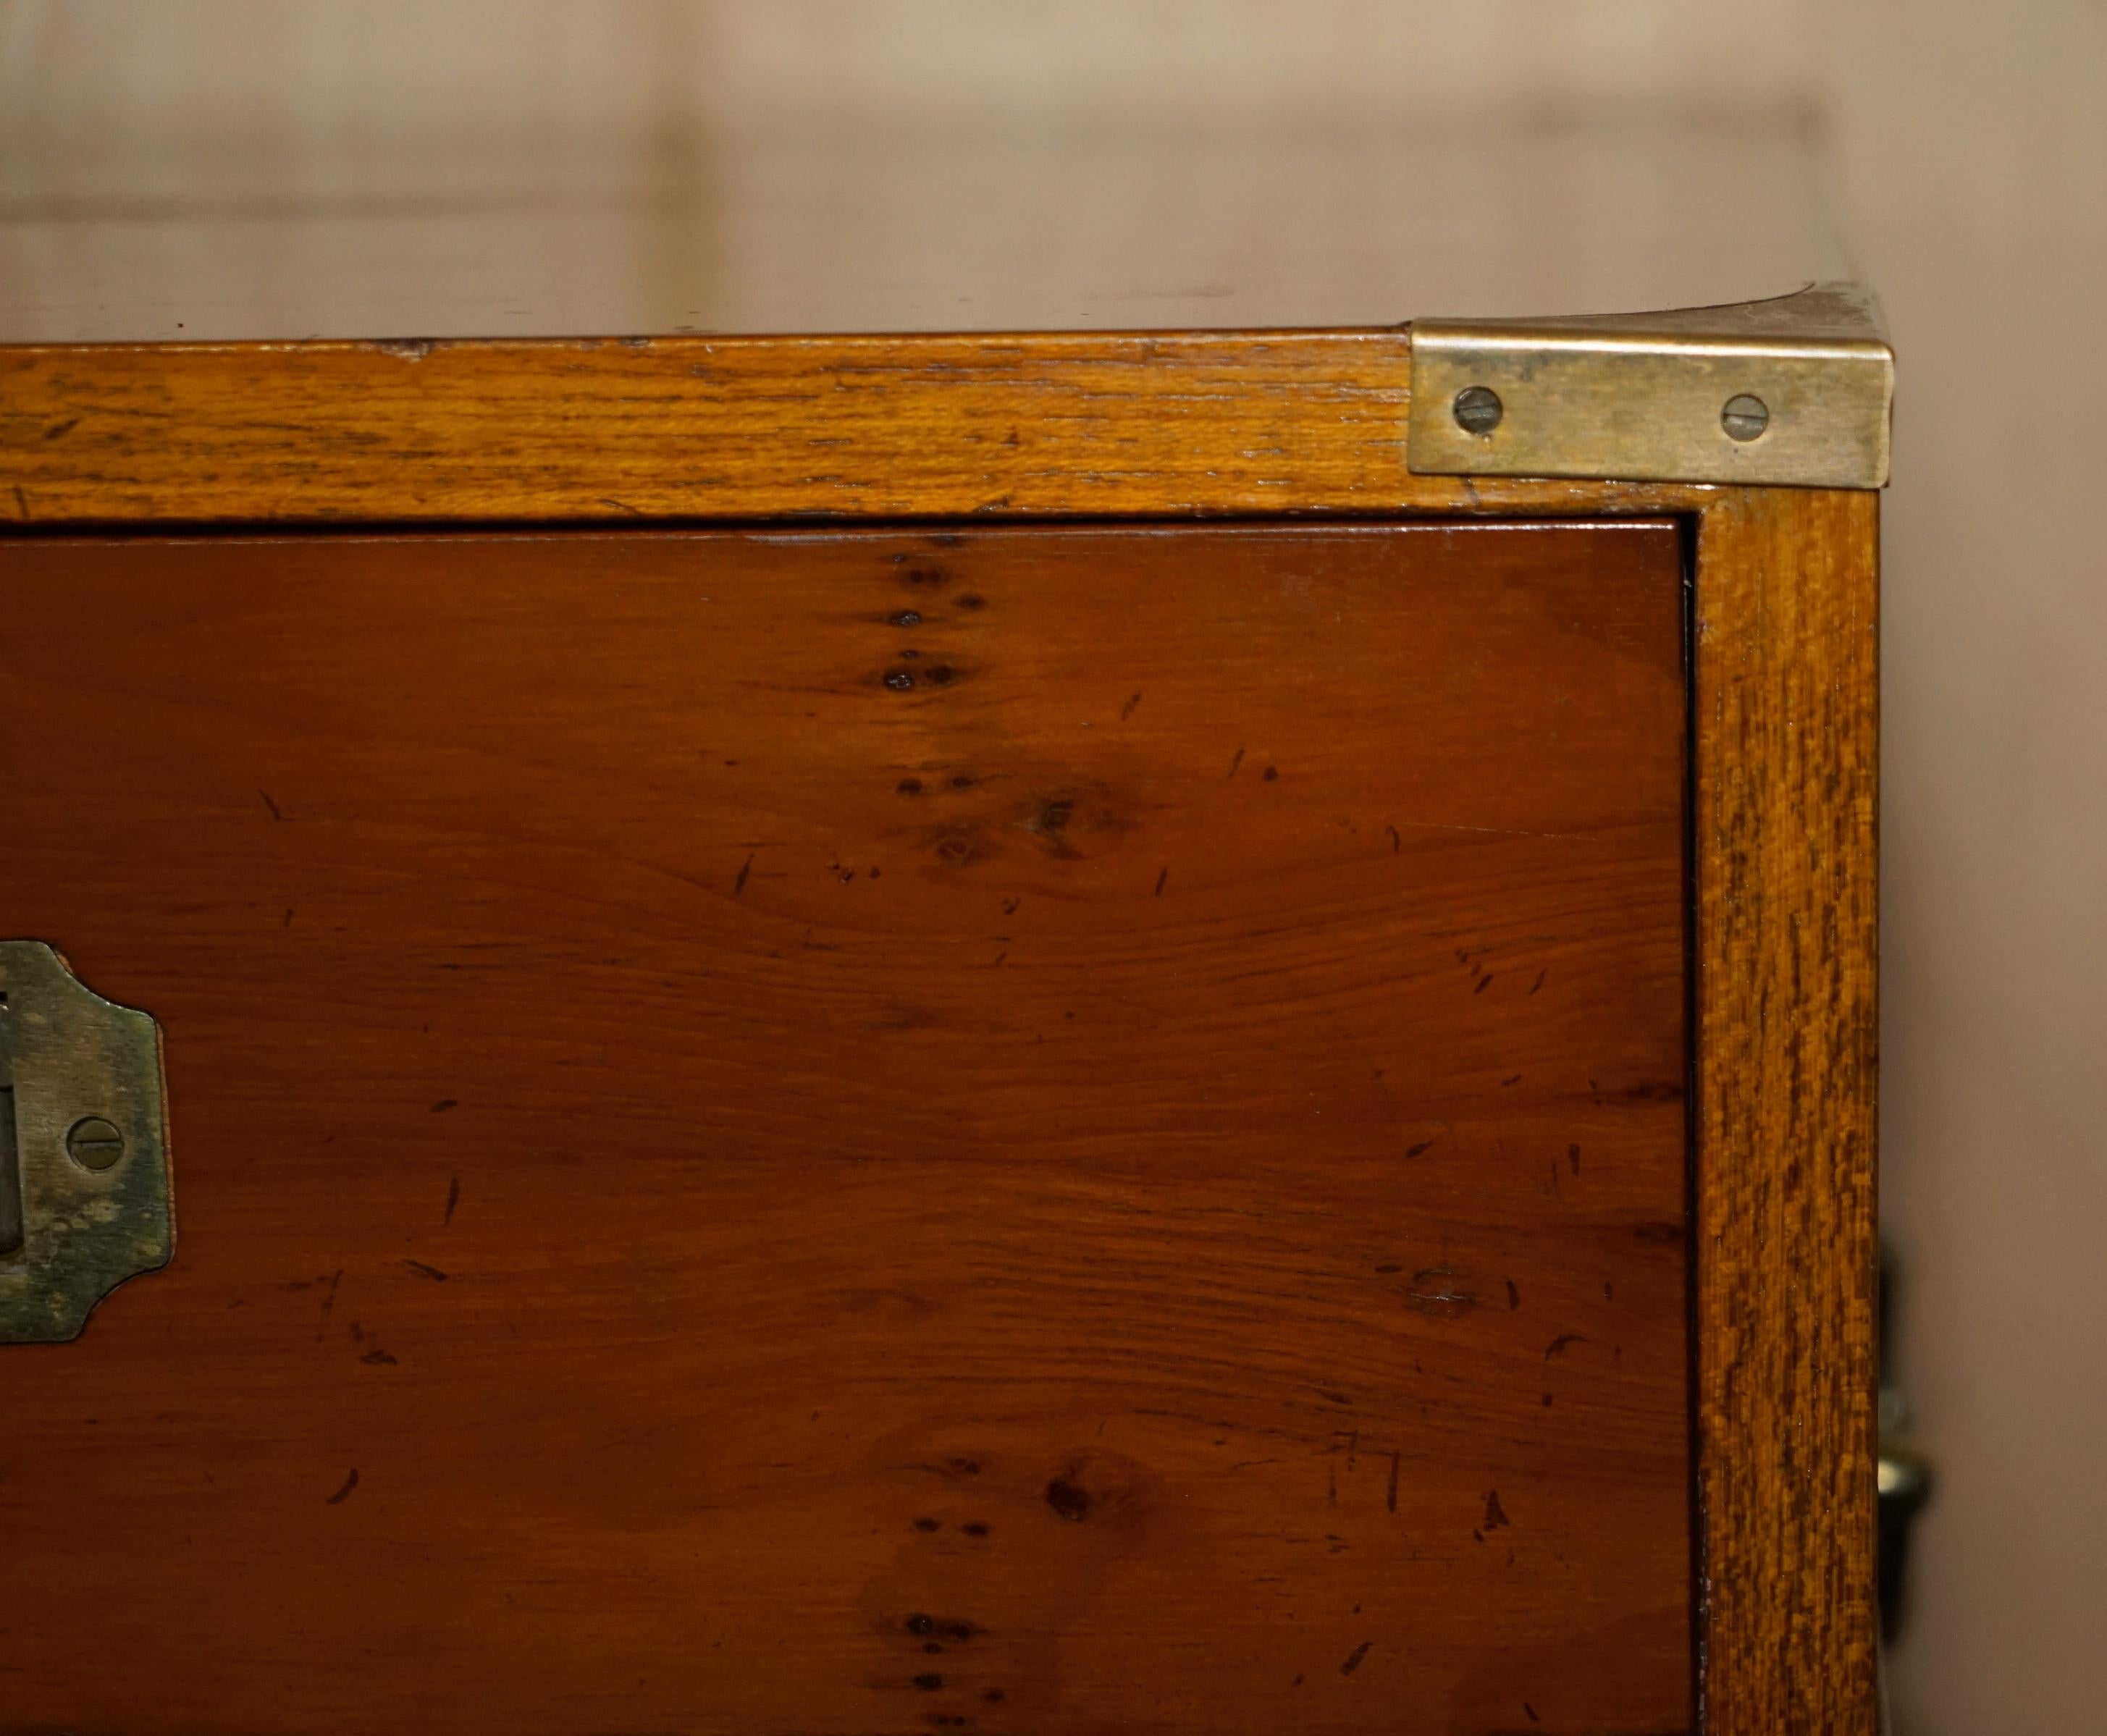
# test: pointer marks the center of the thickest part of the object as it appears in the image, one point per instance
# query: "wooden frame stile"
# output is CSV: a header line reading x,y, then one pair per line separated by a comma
x,y
1786,713
1224,424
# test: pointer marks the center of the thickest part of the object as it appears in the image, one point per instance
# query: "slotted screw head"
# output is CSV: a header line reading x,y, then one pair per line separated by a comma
x,y
94,1143
1745,417
1478,409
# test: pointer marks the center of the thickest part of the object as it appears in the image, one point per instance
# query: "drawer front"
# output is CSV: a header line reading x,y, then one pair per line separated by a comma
x,y
1046,1129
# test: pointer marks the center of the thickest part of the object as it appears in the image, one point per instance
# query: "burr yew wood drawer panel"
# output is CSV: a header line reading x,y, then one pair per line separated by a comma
x,y
807,1130
1052,989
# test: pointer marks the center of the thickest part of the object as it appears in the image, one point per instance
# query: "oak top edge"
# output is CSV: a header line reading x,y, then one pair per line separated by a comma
x,y
993,345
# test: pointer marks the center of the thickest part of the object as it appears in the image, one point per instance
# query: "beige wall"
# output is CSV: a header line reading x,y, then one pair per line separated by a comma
x,y
312,67
1972,144
1970,151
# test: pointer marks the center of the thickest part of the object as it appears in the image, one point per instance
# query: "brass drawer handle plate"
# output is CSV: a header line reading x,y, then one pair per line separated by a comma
x,y
83,1147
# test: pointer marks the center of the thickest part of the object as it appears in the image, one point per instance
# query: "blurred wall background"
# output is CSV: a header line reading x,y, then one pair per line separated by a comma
x,y
1965,149
1971,152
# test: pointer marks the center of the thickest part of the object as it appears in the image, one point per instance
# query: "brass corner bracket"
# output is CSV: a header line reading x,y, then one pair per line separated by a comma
x,y
1796,390
83,1147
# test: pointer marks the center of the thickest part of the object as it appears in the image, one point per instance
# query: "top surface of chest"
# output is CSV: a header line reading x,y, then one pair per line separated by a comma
x,y
614,226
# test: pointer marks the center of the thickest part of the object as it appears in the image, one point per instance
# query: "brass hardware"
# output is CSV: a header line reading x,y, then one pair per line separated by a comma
x,y
1746,417
1902,1479
1797,390
83,1147
1478,411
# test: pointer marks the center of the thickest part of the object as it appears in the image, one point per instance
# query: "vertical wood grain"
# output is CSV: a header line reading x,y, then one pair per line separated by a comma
x,y
1785,732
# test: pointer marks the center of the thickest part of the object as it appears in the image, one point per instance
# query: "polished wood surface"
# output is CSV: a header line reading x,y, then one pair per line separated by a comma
x,y
1786,709
1004,1130
686,429
692,428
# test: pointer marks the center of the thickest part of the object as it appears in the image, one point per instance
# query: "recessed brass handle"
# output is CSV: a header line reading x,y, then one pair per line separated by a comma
x,y
83,1147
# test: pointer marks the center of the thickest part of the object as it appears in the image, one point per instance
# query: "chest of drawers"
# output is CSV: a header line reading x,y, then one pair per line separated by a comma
x,y
959,1021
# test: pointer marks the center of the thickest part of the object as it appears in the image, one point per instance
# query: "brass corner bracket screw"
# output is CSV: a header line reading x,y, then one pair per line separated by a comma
x,y
1478,410
1745,417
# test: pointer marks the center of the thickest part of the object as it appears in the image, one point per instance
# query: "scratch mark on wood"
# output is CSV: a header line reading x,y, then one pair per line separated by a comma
x,y
1438,1290
328,1302
344,1493
1501,832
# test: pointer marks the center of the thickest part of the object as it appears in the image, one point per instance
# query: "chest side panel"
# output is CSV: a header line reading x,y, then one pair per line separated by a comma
x,y
1043,1130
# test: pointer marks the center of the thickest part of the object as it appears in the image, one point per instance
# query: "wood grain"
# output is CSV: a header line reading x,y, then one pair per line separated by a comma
x,y
674,429
1023,1129
1786,1049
